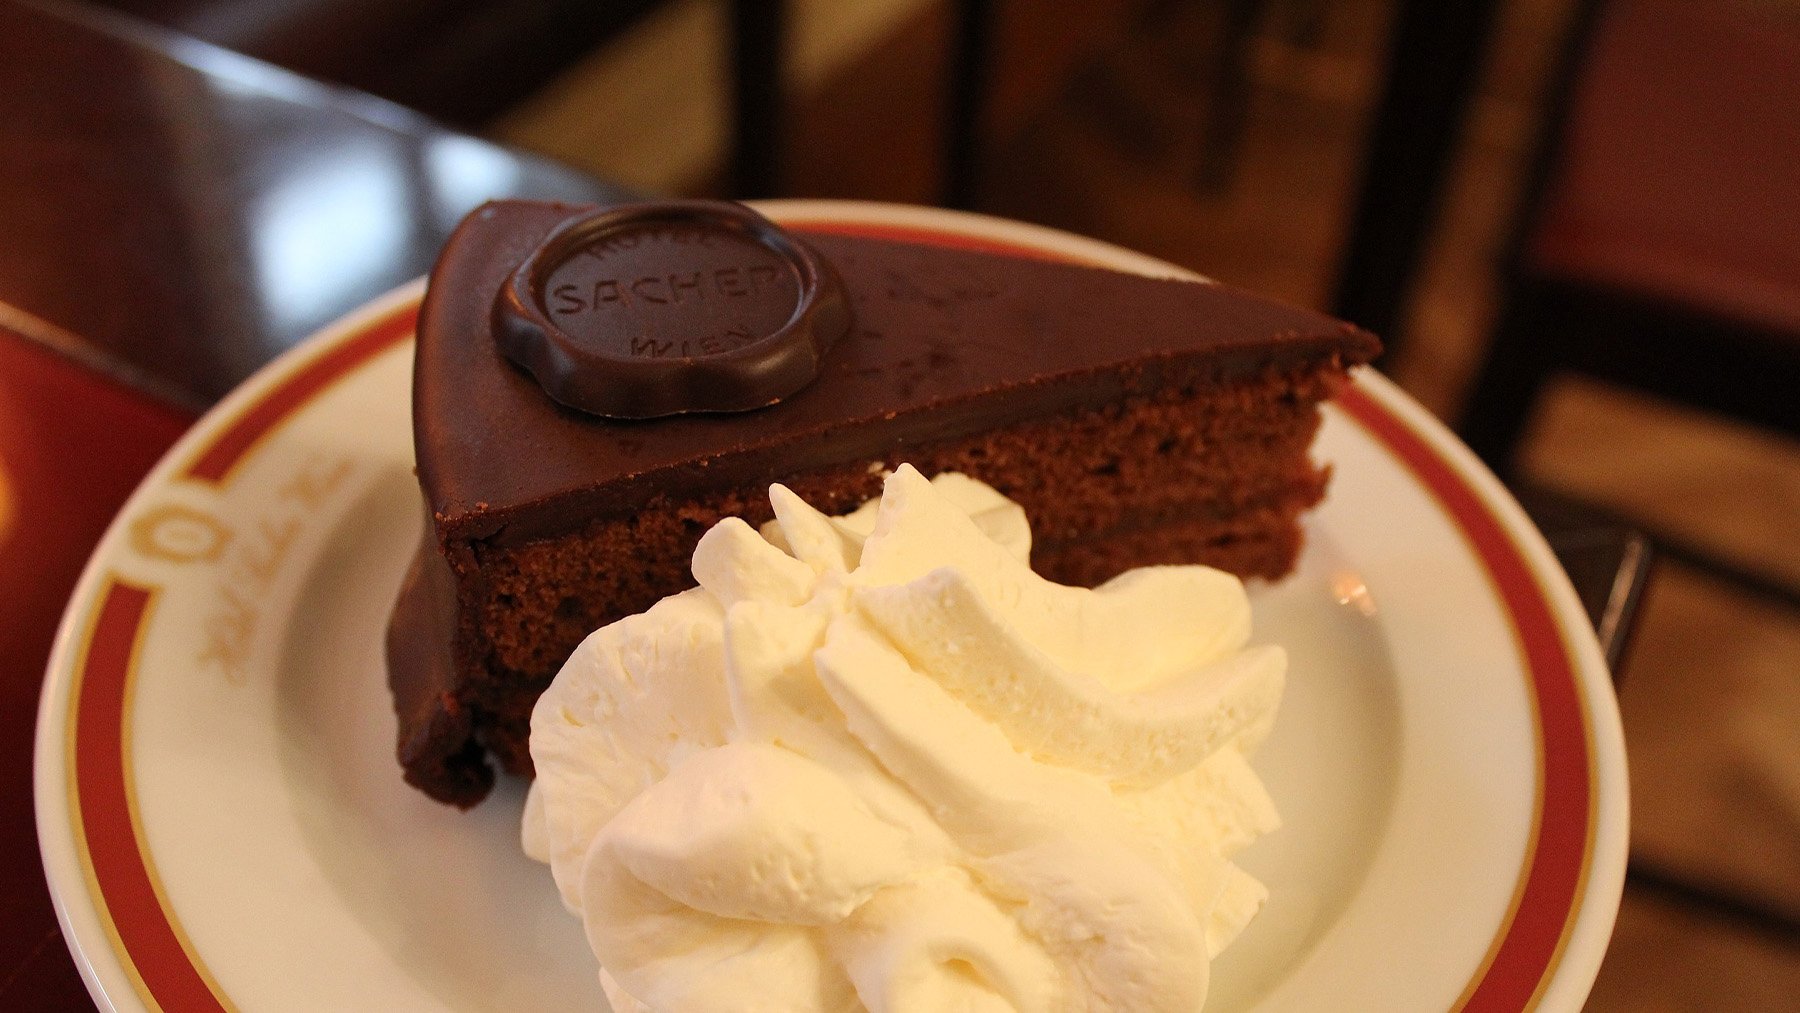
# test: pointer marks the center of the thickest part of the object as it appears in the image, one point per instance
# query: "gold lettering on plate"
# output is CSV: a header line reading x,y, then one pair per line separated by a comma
x,y
179,534
227,633
311,487
250,570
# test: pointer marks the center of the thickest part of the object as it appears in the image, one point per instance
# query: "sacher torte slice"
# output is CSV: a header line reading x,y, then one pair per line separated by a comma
x,y
708,354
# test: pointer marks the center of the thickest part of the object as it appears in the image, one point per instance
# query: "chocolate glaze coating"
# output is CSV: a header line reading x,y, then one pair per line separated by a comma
x,y
946,342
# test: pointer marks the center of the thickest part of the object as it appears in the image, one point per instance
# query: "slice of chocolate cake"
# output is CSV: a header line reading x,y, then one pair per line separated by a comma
x,y
1136,420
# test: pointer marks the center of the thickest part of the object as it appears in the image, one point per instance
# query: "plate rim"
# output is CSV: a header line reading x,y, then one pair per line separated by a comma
x,y
1555,965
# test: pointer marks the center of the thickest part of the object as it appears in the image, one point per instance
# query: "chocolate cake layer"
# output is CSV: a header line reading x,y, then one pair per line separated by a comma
x,y
1136,420
944,342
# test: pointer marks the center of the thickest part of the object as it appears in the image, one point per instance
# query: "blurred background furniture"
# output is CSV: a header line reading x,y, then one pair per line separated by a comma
x,y
1435,54
1227,81
464,62
1658,246
1660,249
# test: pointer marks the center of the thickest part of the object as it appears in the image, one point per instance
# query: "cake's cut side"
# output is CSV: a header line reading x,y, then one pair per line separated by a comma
x,y
1137,421
1217,478
1202,469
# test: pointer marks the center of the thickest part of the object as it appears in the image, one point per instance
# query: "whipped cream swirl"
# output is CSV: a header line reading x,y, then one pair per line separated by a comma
x,y
876,762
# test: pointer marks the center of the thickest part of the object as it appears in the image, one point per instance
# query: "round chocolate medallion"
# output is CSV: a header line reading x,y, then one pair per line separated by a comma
x,y
677,306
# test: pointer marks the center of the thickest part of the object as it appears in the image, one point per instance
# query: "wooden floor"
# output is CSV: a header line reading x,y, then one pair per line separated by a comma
x,y
1099,129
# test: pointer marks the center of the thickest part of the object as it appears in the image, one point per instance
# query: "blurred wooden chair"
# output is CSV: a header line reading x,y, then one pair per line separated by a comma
x,y
1659,246
971,59
1433,60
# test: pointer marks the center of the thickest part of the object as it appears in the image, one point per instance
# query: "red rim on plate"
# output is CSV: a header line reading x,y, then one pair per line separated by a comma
x,y
151,946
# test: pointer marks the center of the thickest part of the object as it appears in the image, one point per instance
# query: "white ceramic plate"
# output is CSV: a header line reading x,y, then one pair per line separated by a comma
x,y
223,823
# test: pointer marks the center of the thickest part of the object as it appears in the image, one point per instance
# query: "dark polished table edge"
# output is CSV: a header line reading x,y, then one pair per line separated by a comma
x,y
217,61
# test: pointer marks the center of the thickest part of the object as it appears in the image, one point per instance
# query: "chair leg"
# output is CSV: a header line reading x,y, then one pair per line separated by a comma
x,y
1303,22
1436,50
1511,378
1228,111
971,46
757,34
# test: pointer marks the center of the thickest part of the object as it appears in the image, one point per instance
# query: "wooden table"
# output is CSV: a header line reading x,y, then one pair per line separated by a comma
x,y
171,217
